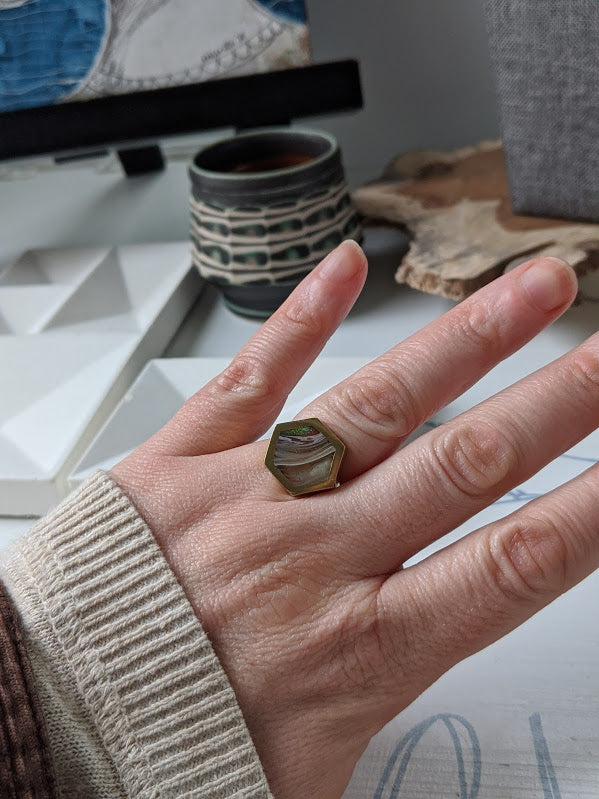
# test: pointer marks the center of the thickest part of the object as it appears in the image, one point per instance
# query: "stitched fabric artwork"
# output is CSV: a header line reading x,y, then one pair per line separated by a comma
x,y
83,49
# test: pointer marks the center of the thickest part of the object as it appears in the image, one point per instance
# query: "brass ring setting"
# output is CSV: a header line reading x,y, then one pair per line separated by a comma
x,y
305,456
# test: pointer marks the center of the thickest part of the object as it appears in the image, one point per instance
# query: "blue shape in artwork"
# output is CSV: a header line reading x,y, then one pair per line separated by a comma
x,y
47,48
294,10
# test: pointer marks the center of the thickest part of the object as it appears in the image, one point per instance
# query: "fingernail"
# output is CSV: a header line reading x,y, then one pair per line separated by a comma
x,y
343,262
548,283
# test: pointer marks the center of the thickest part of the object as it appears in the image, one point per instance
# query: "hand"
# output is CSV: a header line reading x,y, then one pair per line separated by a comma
x,y
323,634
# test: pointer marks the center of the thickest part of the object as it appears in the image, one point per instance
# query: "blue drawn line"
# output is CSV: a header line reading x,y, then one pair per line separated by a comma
x,y
408,743
294,10
581,459
459,756
546,771
520,495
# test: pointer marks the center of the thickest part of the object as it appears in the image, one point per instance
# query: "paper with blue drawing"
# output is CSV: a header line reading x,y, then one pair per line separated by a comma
x,y
83,49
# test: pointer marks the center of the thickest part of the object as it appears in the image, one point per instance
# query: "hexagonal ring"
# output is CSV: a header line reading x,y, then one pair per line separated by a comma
x,y
305,456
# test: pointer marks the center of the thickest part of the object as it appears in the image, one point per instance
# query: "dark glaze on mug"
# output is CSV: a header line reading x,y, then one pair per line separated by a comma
x,y
268,164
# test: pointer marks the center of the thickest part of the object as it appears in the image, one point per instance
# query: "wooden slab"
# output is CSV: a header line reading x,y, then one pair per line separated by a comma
x,y
455,206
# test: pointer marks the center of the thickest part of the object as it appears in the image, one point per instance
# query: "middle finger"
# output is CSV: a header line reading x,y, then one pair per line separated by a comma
x,y
383,403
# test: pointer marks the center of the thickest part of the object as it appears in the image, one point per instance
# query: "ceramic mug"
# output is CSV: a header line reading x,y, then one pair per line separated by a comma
x,y
266,207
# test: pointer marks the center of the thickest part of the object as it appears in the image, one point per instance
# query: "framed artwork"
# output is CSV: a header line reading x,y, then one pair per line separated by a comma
x,y
55,51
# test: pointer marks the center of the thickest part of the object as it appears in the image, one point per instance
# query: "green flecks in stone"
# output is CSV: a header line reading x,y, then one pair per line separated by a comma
x,y
301,430
305,456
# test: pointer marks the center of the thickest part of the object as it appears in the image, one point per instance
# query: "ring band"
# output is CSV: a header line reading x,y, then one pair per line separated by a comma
x,y
305,456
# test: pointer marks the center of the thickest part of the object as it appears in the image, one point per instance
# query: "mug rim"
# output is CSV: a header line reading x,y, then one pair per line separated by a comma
x,y
266,174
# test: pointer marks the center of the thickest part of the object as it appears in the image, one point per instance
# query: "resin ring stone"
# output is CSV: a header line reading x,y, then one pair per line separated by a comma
x,y
305,456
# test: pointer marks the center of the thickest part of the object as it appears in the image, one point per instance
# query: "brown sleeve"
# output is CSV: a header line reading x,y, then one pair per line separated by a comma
x,y
26,770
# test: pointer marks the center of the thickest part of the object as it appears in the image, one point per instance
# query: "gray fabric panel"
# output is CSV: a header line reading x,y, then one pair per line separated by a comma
x,y
546,58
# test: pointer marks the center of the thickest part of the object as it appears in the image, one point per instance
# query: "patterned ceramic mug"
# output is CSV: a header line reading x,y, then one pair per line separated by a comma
x,y
266,207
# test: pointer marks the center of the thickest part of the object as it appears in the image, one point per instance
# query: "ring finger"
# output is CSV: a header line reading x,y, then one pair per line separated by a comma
x,y
453,472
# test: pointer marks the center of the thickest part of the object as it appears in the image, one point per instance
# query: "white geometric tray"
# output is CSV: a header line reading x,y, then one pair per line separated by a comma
x,y
76,327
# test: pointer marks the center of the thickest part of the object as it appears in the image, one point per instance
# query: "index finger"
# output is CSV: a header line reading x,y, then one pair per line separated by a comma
x,y
237,406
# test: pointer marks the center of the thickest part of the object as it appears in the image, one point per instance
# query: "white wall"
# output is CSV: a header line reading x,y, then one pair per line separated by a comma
x,y
426,75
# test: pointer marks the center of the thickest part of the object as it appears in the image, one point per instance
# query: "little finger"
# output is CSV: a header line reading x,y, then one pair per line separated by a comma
x,y
443,478
468,595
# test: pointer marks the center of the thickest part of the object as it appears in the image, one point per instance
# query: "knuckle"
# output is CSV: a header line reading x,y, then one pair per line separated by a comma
x,y
585,375
382,402
479,327
304,319
528,560
475,459
361,653
246,376
401,635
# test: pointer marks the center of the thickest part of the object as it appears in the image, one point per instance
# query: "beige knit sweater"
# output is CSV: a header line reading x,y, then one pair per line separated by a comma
x,y
135,700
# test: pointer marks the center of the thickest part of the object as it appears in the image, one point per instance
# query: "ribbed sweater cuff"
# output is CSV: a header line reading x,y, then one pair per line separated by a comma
x,y
161,703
